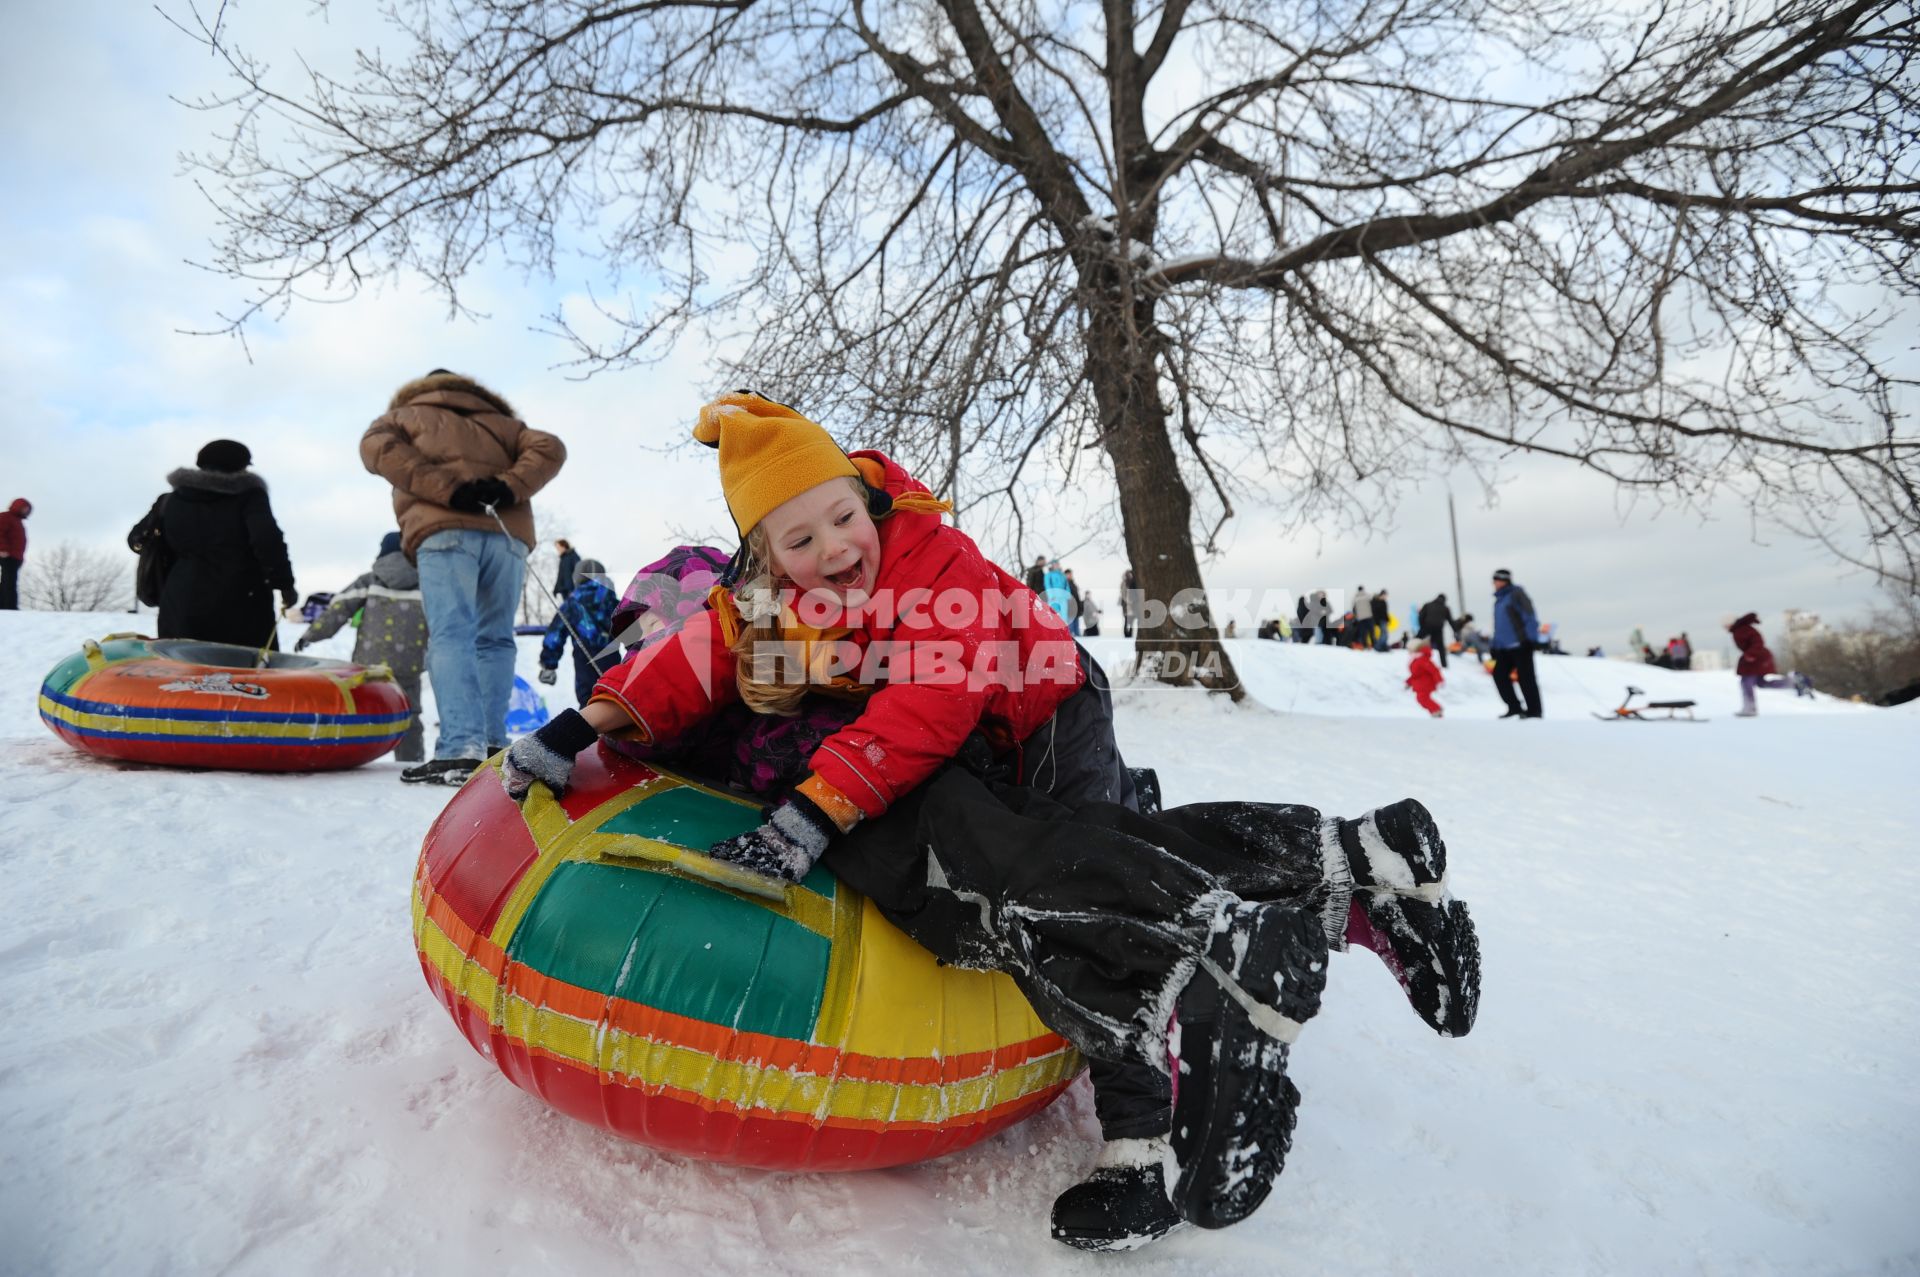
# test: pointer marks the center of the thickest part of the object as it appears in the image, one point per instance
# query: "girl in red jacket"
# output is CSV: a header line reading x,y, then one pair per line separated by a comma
x,y
977,797
1756,668
1423,676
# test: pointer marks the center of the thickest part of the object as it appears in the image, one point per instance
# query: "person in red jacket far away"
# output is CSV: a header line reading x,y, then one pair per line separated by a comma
x,y
972,790
1423,676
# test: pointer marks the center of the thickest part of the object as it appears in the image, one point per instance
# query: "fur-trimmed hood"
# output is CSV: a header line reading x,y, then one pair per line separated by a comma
x,y
222,482
448,382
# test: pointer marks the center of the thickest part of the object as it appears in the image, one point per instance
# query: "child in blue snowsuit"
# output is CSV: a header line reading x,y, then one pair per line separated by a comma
x,y
589,611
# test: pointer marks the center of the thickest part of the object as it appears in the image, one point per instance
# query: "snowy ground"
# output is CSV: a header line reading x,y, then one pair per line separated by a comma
x,y
1696,1048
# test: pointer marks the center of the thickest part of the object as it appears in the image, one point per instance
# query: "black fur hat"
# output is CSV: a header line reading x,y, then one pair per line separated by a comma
x,y
225,456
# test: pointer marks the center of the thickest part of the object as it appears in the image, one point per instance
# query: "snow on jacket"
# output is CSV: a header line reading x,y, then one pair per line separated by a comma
x,y
1514,624
1422,674
919,713
441,431
228,558
13,529
393,621
589,610
1755,660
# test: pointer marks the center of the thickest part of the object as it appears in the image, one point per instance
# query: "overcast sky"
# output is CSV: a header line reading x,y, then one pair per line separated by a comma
x,y
108,395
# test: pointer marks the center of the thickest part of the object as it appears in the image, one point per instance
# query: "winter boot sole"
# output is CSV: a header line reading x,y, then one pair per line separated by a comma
x,y
1233,1114
1433,951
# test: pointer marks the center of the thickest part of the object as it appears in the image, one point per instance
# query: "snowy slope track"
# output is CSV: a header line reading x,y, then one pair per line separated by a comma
x,y
1695,1052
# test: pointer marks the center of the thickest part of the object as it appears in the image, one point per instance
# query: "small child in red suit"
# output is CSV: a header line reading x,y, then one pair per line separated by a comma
x,y
1423,676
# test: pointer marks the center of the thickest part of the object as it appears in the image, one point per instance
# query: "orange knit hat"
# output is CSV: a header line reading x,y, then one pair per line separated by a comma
x,y
768,454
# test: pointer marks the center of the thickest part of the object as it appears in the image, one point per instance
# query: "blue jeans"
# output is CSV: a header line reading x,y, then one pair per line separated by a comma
x,y
470,586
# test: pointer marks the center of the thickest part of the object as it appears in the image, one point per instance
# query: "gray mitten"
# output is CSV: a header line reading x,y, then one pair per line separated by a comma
x,y
786,846
547,755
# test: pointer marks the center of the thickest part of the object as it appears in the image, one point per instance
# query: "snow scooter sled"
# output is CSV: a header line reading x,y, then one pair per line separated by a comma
x,y
1667,711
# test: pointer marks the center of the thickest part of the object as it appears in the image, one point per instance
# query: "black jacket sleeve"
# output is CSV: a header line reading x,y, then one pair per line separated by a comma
x,y
269,547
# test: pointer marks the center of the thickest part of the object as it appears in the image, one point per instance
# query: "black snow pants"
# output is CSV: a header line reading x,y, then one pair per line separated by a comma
x,y
1097,912
1508,660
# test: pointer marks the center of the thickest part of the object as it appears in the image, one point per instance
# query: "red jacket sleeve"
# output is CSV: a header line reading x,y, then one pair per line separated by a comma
x,y
669,686
930,701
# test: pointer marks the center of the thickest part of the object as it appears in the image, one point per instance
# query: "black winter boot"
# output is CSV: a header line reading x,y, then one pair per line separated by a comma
x,y
1233,1107
1397,847
1425,936
1123,1203
441,771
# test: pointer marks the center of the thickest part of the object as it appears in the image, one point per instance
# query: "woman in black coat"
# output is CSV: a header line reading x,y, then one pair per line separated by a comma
x,y
228,554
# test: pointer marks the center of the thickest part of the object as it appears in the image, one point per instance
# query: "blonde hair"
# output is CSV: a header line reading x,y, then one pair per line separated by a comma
x,y
759,576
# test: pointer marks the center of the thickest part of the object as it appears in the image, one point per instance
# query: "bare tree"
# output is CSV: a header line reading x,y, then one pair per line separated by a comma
x,y
73,578
1865,658
537,601
1294,252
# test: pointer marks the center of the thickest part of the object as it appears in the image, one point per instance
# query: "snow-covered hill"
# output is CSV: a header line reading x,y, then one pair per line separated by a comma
x,y
1695,1052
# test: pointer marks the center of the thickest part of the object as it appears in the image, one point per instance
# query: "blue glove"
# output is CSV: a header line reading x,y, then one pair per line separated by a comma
x,y
547,755
786,846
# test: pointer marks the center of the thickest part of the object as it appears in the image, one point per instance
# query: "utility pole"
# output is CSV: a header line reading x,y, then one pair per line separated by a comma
x,y
1459,582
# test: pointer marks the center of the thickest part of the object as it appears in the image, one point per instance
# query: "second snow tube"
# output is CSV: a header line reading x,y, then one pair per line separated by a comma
x,y
184,703
799,1033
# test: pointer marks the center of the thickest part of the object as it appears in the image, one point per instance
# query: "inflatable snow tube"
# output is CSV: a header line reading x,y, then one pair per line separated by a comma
x,y
574,950
184,703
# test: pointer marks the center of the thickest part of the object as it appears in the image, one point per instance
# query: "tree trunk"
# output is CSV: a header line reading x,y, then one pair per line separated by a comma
x,y
1180,645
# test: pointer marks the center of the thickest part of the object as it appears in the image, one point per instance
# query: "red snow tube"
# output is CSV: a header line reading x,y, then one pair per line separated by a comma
x,y
792,1028
185,703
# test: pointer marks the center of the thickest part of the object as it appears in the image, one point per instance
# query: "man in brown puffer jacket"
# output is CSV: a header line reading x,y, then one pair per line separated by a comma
x,y
463,468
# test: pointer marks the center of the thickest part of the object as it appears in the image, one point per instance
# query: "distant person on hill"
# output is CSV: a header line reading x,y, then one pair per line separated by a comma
x,y
1431,624
563,572
1073,605
1089,615
1381,620
1423,677
1471,639
1129,604
228,554
1756,667
1516,633
1683,658
1320,619
1037,575
393,630
13,551
1057,595
587,616
1359,631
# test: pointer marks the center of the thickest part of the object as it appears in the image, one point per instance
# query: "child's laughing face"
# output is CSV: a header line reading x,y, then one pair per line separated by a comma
x,y
824,540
